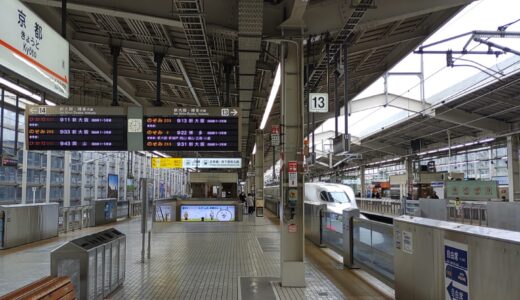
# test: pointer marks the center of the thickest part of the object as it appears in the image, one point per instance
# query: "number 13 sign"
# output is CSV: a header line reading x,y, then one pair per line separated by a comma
x,y
319,102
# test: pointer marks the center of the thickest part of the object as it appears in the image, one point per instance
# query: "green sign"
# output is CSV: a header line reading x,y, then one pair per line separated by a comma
x,y
478,190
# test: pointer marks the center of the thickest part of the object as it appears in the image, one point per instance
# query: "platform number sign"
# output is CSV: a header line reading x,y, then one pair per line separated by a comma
x,y
319,102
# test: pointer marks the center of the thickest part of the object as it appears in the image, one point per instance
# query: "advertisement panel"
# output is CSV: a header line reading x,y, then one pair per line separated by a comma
x,y
32,49
113,186
207,213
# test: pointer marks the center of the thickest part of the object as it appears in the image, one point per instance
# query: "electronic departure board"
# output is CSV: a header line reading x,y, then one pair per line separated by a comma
x,y
191,129
75,128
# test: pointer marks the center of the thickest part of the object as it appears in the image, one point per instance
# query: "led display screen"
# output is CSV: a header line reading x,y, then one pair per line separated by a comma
x,y
76,128
207,213
207,129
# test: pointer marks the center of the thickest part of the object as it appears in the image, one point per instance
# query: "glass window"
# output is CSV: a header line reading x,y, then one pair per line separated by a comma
x,y
339,197
323,196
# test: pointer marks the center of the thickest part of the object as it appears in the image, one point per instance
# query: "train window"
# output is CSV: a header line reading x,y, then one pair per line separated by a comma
x,y
339,197
323,197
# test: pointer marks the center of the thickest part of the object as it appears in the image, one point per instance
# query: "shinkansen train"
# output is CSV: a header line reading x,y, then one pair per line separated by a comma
x,y
336,196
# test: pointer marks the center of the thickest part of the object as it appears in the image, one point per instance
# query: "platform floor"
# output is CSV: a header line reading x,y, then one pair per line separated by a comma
x,y
239,260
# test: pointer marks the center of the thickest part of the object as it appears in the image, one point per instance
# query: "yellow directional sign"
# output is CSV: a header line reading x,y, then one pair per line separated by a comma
x,y
166,163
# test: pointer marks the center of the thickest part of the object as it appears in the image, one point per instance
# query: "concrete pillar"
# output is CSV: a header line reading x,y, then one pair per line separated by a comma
x,y
83,179
259,171
48,178
513,169
24,175
409,174
363,183
291,225
96,176
66,178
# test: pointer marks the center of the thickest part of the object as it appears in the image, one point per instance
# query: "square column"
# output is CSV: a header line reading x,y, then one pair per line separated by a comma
x,y
513,169
292,179
362,191
66,179
259,173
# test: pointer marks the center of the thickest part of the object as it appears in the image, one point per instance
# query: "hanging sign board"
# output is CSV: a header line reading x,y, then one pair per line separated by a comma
x,y
318,102
75,128
31,49
204,129
200,163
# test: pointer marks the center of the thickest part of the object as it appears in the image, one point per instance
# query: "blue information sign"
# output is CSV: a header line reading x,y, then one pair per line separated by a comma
x,y
456,269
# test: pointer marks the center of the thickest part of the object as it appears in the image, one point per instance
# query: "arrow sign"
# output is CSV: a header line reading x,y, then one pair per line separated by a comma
x,y
234,112
457,274
455,293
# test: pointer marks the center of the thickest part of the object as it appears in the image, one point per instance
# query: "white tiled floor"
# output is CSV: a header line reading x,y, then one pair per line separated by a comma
x,y
189,261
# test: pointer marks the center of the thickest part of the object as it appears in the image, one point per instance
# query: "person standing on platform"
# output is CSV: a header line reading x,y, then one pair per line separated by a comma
x,y
250,204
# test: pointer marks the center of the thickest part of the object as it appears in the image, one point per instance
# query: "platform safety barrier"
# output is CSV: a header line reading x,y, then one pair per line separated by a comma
x,y
468,213
380,206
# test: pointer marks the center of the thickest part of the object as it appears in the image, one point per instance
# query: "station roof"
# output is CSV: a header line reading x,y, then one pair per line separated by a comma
x,y
479,108
197,36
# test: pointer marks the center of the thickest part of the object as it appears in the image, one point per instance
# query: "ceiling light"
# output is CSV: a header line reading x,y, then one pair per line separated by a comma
x,y
272,96
19,89
254,150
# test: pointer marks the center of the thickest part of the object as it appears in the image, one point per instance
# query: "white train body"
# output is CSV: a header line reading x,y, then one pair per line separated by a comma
x,y
336,196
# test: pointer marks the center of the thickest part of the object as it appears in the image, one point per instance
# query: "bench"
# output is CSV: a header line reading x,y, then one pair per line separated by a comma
x,y
46,288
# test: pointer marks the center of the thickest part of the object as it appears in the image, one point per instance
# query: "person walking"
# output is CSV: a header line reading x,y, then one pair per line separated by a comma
x,y
250,204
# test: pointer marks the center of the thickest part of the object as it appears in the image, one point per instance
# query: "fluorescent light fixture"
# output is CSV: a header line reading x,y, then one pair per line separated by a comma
x,y
272,96
49,102
160,154
19,89
254,150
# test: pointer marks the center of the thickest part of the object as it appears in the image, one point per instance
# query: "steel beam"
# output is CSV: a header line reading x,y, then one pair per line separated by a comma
x,y
476,121
130,45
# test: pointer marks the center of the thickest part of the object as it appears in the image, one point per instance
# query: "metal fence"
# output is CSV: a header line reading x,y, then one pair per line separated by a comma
x,y
380,206
75,217
468,213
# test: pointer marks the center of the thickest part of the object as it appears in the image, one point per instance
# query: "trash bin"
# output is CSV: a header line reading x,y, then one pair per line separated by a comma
x,y
95,263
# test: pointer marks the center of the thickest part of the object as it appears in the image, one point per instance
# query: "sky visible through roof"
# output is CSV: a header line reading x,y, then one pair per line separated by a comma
x,y
480,15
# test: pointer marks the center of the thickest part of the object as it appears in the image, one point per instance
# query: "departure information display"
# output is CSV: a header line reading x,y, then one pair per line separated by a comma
x,y
76,128
205,129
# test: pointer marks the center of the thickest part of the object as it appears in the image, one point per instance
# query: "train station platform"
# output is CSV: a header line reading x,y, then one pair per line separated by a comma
x,y
238,260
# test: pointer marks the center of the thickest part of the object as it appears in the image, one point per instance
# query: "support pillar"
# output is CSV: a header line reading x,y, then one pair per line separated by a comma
x,y
291,225
259,174
409,174
48,178
513,169
66,178
96,177
83,179
115,50
362,179
24,176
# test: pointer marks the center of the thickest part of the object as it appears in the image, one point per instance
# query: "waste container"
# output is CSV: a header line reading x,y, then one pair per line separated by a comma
x,y
95,263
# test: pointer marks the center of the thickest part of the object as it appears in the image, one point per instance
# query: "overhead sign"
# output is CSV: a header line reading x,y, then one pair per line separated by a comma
x,y
319,102
166,163
456,270
201,163
275,135
75,128
205,129
32,49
